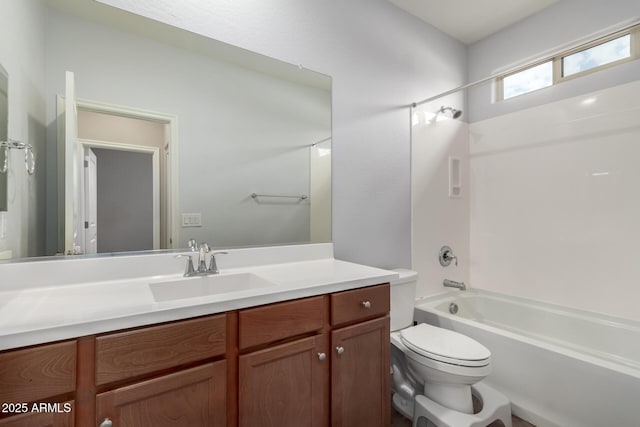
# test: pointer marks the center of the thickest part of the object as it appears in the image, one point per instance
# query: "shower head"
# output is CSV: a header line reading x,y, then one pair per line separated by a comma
x,y
456,114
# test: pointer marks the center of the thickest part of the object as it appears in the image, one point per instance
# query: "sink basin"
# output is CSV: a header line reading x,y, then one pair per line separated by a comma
x,y
202,286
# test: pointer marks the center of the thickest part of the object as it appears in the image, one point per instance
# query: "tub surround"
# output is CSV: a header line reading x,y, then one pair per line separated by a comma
x,y
57,299
580,204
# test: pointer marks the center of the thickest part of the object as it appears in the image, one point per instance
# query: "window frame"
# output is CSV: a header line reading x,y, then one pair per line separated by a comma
x,y
557,61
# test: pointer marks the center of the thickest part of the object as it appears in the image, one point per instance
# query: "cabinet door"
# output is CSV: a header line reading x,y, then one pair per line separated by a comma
x,y
192,397
285,385
37,373
55,415
360,375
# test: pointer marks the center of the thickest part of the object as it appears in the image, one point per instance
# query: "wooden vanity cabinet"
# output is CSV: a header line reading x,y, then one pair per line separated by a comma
x,y
284,385
37,384
193,397
332,368
283,366
360,380
157,376
318,361
41,419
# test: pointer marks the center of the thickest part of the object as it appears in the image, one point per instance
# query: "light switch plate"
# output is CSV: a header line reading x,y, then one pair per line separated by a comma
x,y
192,220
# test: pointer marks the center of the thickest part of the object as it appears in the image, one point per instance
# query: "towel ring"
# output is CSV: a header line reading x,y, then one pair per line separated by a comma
x,y
29,156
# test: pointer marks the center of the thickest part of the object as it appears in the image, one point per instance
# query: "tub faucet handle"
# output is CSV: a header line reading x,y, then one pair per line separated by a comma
x,y
446,256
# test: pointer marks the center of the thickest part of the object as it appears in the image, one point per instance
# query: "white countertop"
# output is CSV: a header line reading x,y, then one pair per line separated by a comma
x,y
38,314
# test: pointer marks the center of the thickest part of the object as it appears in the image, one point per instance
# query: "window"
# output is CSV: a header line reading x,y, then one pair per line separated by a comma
x,y
528,80
590,57
602,54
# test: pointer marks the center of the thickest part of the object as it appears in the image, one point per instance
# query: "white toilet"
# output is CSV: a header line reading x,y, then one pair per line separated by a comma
x,y
436,370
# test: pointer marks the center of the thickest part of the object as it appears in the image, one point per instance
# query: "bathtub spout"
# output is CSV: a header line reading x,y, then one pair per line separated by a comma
x,y
452,284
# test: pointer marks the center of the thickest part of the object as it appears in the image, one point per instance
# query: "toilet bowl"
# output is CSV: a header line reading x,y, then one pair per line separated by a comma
x,y
436,370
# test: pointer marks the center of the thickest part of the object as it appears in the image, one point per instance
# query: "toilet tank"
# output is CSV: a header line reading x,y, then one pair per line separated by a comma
x,y
403,297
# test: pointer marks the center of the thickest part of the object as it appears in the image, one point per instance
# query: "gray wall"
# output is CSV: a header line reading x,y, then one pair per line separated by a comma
x,y
22,55
563,23
381,59
125,200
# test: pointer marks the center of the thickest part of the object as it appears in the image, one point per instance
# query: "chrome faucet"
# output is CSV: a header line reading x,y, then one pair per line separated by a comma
x,y
453,284
203,250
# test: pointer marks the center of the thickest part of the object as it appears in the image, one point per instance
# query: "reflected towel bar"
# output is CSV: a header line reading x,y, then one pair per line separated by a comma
x,y
301,197
29,157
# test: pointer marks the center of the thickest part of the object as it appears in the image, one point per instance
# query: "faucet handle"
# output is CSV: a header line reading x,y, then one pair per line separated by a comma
x,y
213,266
446,256
202,262
189,270
193,245
204,249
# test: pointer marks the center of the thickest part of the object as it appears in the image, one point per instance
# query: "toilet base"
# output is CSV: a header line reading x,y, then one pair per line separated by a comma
x,y
402,405
495,406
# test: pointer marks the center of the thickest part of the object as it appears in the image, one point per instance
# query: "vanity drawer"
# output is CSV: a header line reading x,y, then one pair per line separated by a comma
x,y
274,322
36,373
359,304
142,351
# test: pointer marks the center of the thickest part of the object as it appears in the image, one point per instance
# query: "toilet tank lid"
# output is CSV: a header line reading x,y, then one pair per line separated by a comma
x,y
405,276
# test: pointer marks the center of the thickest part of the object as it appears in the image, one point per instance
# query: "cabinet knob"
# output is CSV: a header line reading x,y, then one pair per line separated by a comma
x,y
366,304
322,356
339,350
106,423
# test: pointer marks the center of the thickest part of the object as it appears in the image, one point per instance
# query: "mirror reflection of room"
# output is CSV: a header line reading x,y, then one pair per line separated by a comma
x,y
4,150
233,124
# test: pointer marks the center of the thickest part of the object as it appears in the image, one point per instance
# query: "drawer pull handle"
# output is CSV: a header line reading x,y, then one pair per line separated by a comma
x,y
322,356
106,423
366,304
339,350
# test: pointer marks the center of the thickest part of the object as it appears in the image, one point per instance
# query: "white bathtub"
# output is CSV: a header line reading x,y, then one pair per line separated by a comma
x,y
559,366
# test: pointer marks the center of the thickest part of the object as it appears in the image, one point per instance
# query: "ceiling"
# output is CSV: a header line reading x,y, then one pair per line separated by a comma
x,y
472,20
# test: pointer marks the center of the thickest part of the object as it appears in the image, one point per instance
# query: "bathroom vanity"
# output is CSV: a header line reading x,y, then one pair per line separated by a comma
x,y
313,349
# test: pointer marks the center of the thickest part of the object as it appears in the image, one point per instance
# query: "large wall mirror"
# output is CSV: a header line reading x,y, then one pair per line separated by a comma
x,y
4,151
156,136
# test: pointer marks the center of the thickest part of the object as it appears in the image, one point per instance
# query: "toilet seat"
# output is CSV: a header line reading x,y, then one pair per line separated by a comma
x,y
444,345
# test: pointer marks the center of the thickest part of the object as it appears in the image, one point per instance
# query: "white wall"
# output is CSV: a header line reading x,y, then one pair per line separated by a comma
x,y
555,205
380,59
22,55
565,22
438,219
236,132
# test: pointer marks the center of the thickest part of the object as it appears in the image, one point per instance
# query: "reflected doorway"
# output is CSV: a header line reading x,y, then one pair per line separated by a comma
x,y
129,207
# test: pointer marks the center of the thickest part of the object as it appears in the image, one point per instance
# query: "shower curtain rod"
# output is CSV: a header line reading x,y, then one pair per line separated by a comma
x,y
321,141
606,33
457,89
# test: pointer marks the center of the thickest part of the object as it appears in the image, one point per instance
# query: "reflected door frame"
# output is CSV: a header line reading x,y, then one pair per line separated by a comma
x,y
172,164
